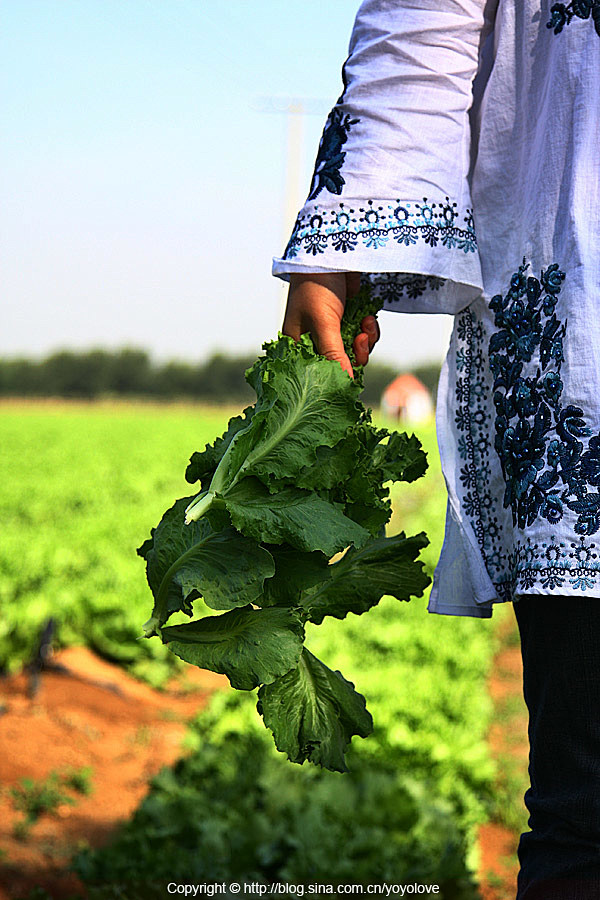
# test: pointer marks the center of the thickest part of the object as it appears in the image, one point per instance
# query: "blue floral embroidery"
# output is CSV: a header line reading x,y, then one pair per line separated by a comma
x,y
546,467
391,287
517,566
406,223
562,14
473,418
330,156
555,564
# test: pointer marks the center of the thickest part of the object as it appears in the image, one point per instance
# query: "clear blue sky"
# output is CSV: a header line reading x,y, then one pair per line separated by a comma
x,y
143,182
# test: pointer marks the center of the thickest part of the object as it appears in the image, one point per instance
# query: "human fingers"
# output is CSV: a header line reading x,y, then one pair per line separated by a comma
x,y
366,340
360,346
329,344
370,327
316,305
313,296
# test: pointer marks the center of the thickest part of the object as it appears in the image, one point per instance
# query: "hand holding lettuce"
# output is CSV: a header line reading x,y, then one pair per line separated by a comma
x,y
296,479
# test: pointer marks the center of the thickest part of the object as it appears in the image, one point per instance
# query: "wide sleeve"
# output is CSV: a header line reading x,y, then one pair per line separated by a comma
x,y
390,192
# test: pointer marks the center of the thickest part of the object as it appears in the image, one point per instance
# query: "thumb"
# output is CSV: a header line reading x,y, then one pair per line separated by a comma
x,y
329,343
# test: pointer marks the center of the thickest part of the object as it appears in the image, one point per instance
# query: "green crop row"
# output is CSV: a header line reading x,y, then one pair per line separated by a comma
x,y
81,487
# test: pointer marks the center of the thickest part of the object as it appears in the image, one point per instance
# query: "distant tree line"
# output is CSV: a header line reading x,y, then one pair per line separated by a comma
x,y
131,372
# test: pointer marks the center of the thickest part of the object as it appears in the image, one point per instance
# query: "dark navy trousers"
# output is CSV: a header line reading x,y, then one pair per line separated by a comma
x,y
560,645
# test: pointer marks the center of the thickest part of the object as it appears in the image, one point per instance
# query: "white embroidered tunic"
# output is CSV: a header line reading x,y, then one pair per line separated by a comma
x,y
460,172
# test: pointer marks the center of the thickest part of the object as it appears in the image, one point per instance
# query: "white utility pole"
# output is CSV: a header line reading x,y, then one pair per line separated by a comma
x,y
296,109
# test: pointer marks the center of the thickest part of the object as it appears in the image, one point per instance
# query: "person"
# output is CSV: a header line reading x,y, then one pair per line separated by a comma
x,y
459,173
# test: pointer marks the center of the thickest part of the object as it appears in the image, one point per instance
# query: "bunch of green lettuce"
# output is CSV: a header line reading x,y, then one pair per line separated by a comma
x,y
297,479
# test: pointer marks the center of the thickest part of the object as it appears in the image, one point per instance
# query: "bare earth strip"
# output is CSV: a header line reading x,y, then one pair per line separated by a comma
x,y
94,714
509,746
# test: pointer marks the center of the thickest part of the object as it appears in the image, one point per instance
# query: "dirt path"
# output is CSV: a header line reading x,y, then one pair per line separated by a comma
x,y
510,748
94,715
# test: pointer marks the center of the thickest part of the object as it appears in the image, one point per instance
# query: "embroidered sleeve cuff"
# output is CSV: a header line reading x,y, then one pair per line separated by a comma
x,y
421,256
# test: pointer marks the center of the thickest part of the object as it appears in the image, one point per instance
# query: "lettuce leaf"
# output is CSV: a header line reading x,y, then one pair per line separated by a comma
x,y
203,464
362,577
293,516
303,403
295,572
185,562
250,646
313,713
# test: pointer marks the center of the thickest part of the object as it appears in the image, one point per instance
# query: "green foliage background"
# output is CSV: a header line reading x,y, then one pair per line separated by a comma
x,y
81,487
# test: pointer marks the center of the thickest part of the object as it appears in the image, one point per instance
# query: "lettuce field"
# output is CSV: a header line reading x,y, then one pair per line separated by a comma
x,y
81,487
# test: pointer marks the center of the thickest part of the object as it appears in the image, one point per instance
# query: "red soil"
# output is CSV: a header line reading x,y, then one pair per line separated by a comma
x,y
93,715
498,866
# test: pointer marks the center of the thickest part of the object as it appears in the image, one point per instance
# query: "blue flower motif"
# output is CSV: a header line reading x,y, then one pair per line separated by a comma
x,y
314,231
461,390
518,282
525,344
522,457
470,504
549,304
539,441
590,462
528,578
553,454
375,239
461,360
552,279
315,243
570,423
467,477
330,157
534,290
429,234
588,522
406,236
498,303
461,418
526,398
559,17
552,387
561,14
552,509
582,582
552,580
344,241
551,342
